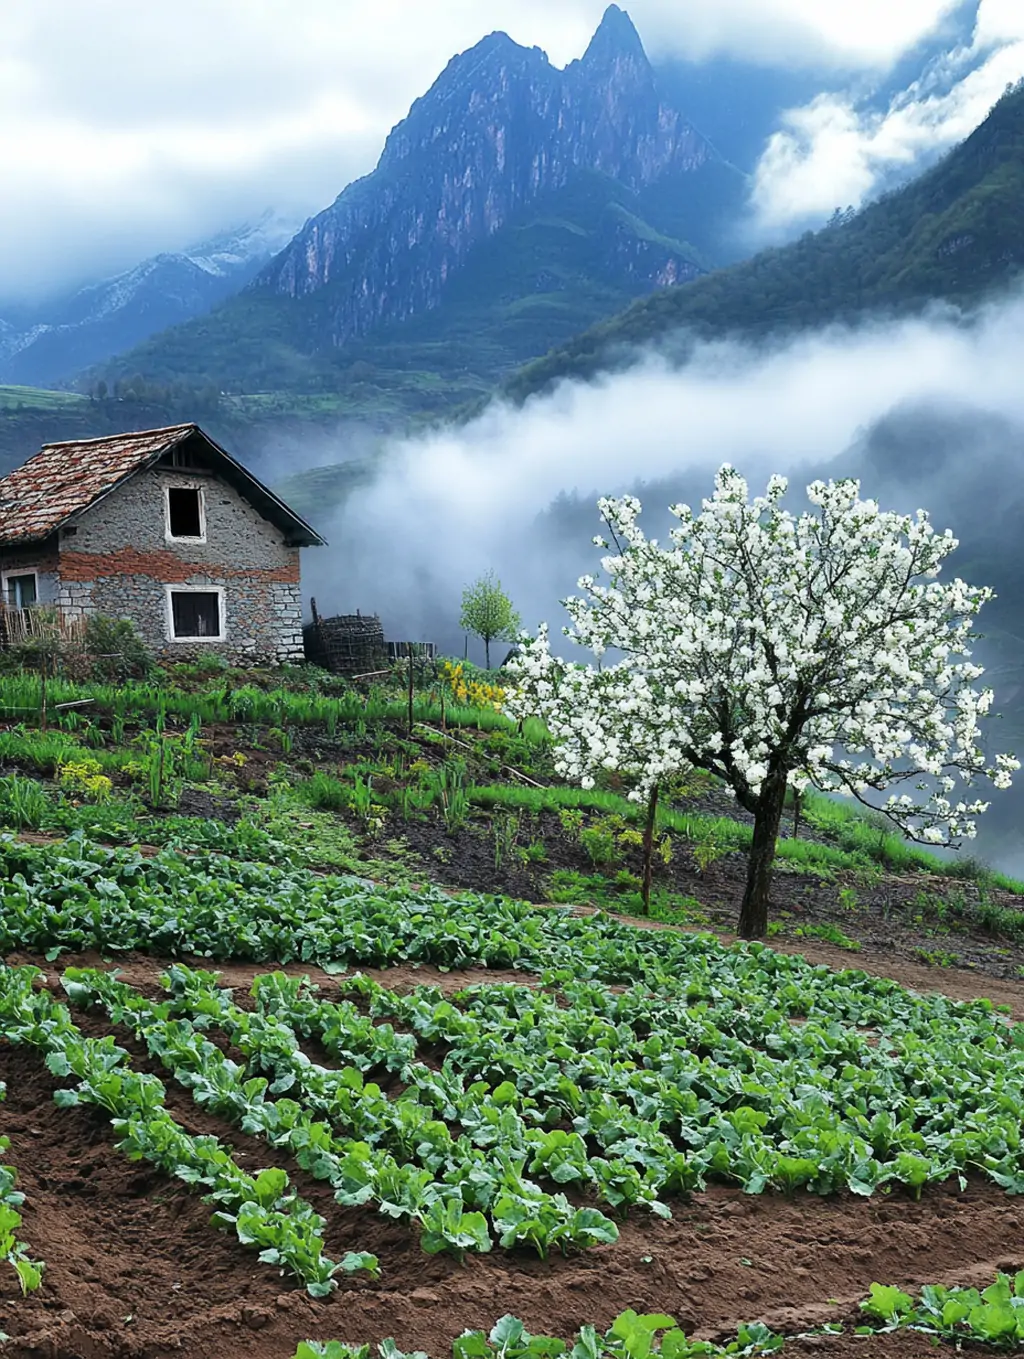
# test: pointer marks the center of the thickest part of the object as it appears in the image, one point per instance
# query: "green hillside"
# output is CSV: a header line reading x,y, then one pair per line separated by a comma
x,y
577,256
953,234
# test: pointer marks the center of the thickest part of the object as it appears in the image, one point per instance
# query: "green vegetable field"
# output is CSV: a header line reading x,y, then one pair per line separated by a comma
x,y
278,1087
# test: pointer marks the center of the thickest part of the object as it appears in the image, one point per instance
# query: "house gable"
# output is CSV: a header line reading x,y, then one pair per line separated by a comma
x,y
174,535
64,480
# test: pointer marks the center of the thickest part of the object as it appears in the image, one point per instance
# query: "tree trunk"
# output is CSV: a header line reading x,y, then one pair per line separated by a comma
x,y
652,816
487,651
767,819
798,806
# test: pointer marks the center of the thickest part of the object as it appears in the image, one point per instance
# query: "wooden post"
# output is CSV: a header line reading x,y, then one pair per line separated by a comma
x,y
411,719
652,816
42,689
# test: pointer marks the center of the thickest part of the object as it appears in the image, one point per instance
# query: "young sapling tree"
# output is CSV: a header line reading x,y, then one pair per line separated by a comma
x,y
776,650
487,612
597,726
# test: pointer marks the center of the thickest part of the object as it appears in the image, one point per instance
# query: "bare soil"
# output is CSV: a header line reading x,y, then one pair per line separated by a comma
x,y
896,915
135,1271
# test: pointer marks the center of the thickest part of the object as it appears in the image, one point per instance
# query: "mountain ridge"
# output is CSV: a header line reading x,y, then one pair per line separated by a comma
x,y
96,320
953,234
504,148
392,253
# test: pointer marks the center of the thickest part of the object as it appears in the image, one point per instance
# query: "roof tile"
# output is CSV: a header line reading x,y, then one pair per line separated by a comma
x,y
65,478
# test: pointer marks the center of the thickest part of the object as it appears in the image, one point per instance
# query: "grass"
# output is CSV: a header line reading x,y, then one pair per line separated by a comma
x,y
860,842
38,398
20,698
850,840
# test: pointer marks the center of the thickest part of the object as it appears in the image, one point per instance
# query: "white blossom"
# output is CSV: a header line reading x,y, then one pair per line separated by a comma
x,y
815,649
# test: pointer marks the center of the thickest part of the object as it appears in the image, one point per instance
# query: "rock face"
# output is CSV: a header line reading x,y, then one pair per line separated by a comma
x,y
500,128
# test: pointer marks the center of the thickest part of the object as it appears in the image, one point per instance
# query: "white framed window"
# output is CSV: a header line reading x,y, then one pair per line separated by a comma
x,y
184,514
21,589
195,613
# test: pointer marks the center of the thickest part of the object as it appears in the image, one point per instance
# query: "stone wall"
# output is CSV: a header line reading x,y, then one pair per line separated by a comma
x,y
120,561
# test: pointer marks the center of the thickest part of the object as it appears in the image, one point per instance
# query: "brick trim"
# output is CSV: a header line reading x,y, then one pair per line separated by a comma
x,y
166,567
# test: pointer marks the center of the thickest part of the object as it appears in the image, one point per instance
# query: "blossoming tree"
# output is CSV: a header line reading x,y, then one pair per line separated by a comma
x,y
776,650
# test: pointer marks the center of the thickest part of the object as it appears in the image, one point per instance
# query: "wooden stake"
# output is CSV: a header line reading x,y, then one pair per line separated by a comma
x,y
410,690
652,816
42,689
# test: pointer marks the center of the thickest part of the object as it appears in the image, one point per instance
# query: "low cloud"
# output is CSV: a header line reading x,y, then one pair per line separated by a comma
x,y
929,412
795,34
452,504
840,150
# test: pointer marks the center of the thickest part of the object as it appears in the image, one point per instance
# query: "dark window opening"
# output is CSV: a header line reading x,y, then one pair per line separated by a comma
x,y
21,591
185,512
195,613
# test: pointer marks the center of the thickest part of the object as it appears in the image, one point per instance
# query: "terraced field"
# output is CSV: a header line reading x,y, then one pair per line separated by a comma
x,y
276,1085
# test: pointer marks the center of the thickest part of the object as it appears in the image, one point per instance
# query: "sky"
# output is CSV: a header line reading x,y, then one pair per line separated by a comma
x,y
126,129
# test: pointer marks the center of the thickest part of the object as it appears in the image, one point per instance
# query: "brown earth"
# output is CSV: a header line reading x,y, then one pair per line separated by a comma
x,y
915,917
135,1271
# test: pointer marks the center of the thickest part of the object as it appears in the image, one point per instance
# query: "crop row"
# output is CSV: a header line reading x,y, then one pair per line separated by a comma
x,y
397,1154
872,1085
663,1090
246,703
634,1096
630,1336
724,1075
15,1252
262,1209
993,1316
78,895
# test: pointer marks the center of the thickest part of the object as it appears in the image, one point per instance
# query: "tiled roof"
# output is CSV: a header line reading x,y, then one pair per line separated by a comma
x,y
63,479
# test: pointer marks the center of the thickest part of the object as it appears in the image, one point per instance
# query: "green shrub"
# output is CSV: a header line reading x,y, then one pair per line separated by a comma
x,y
116,650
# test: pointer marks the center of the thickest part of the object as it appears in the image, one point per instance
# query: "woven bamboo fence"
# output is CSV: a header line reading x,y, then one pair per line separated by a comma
x,y
23,627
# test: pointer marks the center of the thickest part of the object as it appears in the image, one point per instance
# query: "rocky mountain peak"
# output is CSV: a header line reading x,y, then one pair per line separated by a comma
x,y
615,41
500,128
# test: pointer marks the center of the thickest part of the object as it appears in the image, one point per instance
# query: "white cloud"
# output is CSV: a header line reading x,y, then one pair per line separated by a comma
x,y
869,34
835,151
456,502
126,128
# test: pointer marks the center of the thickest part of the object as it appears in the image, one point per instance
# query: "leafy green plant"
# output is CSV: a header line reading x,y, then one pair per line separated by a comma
x,y
23,802
571,821
829,934
708,851
448,784
536,852
505,832
15,1252
993,1316
324,792
84,778
116,651
262,1210
848,899
599,843
630,1336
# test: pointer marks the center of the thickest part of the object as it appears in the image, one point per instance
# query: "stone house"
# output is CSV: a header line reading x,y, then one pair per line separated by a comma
x,y
161,527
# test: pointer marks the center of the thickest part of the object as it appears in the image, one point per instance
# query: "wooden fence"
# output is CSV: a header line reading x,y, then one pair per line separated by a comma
x,y
40,624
